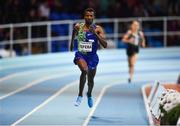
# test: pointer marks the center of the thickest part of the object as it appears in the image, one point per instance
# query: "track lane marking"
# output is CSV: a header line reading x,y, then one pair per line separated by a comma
x,y
46,101
35,82
98,101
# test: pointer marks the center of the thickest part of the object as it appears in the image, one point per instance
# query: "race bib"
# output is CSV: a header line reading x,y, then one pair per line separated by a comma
x,y
86,46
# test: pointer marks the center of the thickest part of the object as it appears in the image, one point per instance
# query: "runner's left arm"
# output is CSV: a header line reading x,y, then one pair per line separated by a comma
x,y
74,33
143,42
99,32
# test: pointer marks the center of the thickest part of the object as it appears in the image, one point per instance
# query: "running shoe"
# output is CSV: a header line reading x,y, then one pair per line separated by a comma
x,y
78,101
90,102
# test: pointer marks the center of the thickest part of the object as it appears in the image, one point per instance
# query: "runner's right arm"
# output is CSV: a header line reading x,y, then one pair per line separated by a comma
x,y
127,39
74,33
99,32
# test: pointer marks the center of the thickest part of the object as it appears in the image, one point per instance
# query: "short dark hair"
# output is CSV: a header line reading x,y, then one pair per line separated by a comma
x,y
89,10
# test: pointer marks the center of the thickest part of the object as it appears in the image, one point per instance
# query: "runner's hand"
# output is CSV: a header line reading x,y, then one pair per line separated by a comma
x,y
131,40
75,29
92,29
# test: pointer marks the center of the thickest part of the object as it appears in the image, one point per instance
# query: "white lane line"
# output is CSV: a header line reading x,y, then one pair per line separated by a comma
x,y
54,76
33,62
32,65
34,83
26,73
29,72
20,63
98,101
46,102
14,75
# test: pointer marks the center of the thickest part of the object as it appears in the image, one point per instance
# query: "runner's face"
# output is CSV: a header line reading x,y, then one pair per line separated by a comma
x,y
89,16
135,26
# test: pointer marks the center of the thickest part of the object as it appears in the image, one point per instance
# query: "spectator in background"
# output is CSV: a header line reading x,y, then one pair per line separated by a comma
x,y
44,11
140,11
6,52
16,11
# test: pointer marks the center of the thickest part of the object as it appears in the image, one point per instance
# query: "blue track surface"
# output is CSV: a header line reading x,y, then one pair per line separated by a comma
x,y
41,89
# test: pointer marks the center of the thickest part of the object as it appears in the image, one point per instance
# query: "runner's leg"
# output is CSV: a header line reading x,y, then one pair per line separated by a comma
x,y
91,75
84,69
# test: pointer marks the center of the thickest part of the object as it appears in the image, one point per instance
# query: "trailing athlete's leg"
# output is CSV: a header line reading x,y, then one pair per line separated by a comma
x,y
132,60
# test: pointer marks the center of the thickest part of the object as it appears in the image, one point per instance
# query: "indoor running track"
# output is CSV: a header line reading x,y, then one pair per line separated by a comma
x,y
42,89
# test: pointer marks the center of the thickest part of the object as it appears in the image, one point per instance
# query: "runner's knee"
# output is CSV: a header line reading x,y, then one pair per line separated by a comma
x,y
84,71
131,65
90,80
